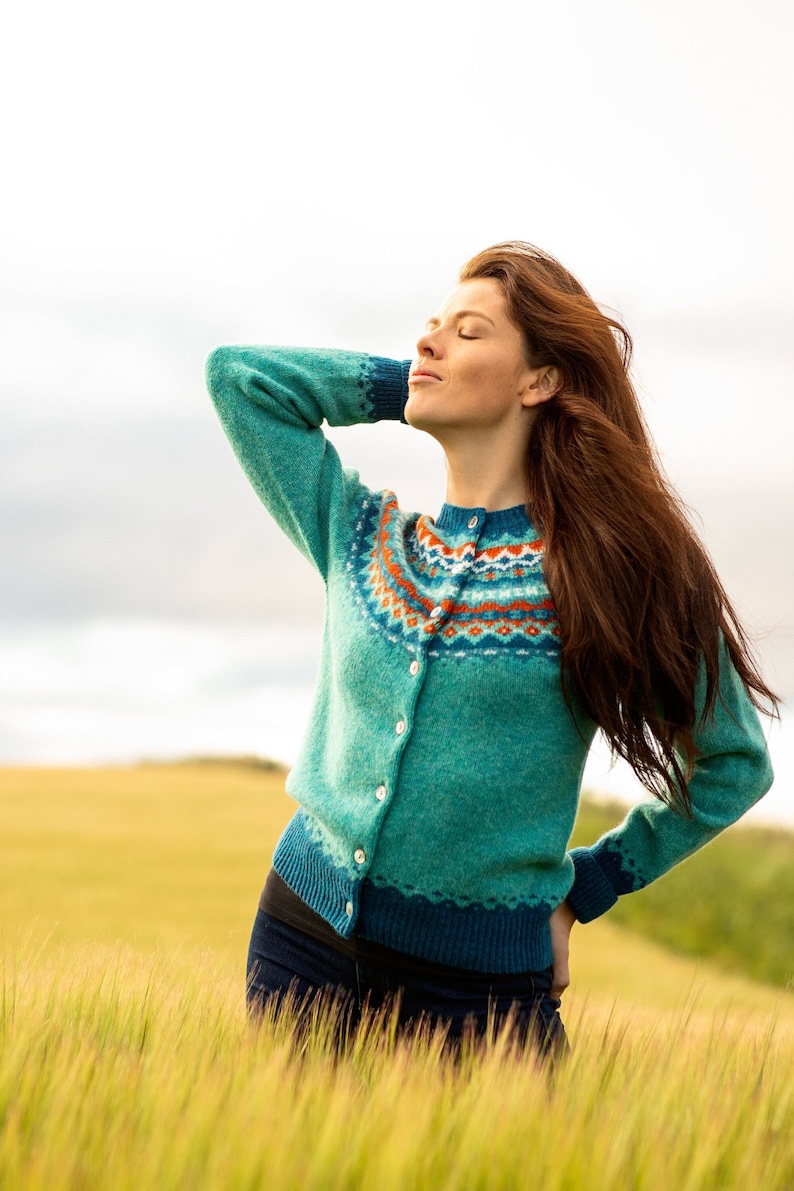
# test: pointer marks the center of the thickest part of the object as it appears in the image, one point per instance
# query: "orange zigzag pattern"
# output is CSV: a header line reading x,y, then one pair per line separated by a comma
x,y
399,597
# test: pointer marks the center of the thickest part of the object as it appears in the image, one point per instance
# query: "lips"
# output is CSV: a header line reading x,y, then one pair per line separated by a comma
x,y
423,374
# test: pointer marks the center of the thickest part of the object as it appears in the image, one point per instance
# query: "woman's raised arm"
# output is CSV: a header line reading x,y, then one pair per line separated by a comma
x,y
272,402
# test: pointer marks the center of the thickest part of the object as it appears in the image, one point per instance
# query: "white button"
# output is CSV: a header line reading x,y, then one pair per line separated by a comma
x,y
474,522
399,727
349,909
359,856
414,667
380,793
437,611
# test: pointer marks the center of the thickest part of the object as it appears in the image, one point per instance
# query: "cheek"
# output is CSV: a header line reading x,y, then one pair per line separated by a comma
x,y
484,373
493,380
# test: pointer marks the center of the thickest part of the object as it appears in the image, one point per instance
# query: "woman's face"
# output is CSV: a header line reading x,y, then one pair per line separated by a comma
x,y
471,371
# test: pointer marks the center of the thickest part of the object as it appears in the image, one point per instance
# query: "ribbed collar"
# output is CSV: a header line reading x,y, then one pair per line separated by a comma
x,y
455,519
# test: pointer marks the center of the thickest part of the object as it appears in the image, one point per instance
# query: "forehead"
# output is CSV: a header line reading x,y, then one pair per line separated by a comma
x,y
481,294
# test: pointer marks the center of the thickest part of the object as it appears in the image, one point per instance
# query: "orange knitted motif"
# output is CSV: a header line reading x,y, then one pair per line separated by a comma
x,y
406,572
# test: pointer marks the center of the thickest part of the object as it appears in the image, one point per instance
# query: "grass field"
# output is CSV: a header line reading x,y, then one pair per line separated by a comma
x,y
126,1061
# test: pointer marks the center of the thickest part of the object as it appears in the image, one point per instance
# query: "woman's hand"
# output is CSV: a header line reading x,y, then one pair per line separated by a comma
x,y
560,922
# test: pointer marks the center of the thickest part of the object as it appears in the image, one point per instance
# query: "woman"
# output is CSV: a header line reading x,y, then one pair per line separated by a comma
x,y
468,660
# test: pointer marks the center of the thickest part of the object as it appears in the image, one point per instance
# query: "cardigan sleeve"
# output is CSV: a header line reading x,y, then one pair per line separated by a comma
x,y
732,772
272,402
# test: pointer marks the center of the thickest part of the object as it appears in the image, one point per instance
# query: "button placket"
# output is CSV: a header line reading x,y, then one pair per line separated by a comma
x,y
475,522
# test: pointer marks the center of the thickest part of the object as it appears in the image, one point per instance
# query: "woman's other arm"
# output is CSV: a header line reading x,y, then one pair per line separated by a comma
x,y
732,773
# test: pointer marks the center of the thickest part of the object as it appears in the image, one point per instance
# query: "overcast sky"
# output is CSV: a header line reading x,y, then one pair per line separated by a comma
x,y
182,175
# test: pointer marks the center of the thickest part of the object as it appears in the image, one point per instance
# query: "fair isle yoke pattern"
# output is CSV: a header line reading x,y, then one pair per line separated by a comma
x,y
401,569
439,777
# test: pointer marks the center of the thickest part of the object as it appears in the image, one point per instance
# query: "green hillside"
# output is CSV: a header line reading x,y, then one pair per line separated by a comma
x,y
732,902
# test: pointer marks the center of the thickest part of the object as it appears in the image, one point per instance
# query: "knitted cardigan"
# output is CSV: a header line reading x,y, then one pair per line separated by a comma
x,y
439,777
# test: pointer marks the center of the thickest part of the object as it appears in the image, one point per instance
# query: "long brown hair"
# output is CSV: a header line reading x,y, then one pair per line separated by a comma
x,y
639,603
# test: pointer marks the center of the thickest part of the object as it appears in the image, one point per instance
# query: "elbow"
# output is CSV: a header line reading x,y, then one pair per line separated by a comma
x,y
217,368
758,775
766,774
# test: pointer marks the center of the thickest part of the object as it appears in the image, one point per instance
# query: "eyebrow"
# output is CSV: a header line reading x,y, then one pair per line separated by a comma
x,y
459,314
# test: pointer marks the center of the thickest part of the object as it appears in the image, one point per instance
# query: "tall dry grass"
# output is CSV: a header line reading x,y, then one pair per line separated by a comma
x,y
126,1059
123,1070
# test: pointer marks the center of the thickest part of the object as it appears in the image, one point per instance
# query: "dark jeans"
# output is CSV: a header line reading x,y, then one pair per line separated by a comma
x,y
286,966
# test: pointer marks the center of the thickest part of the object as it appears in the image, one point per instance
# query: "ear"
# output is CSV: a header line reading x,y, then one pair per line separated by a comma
x,y
543,383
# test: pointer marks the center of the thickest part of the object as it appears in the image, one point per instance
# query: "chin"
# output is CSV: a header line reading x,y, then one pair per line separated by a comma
x,y
418,421
419,412
413,413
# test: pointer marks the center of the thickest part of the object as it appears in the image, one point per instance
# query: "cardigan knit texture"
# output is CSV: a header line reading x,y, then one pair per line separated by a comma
x,y
439,777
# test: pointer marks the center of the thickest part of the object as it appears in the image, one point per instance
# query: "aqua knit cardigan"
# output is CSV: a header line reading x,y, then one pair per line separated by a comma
x,y
440,774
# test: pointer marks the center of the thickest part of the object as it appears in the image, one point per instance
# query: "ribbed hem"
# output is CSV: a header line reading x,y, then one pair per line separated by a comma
x,y
326,889
389,381
472,937
592,894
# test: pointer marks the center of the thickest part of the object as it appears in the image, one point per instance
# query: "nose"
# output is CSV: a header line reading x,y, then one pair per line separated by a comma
x,y
429,345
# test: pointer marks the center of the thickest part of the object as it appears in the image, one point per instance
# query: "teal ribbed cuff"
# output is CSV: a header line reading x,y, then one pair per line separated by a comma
x,y
592,894
389,380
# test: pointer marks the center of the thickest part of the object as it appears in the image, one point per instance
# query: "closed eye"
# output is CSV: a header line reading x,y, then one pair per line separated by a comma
x,y
462,336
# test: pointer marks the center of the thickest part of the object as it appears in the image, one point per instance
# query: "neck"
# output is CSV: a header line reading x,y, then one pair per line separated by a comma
x,y
479,476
